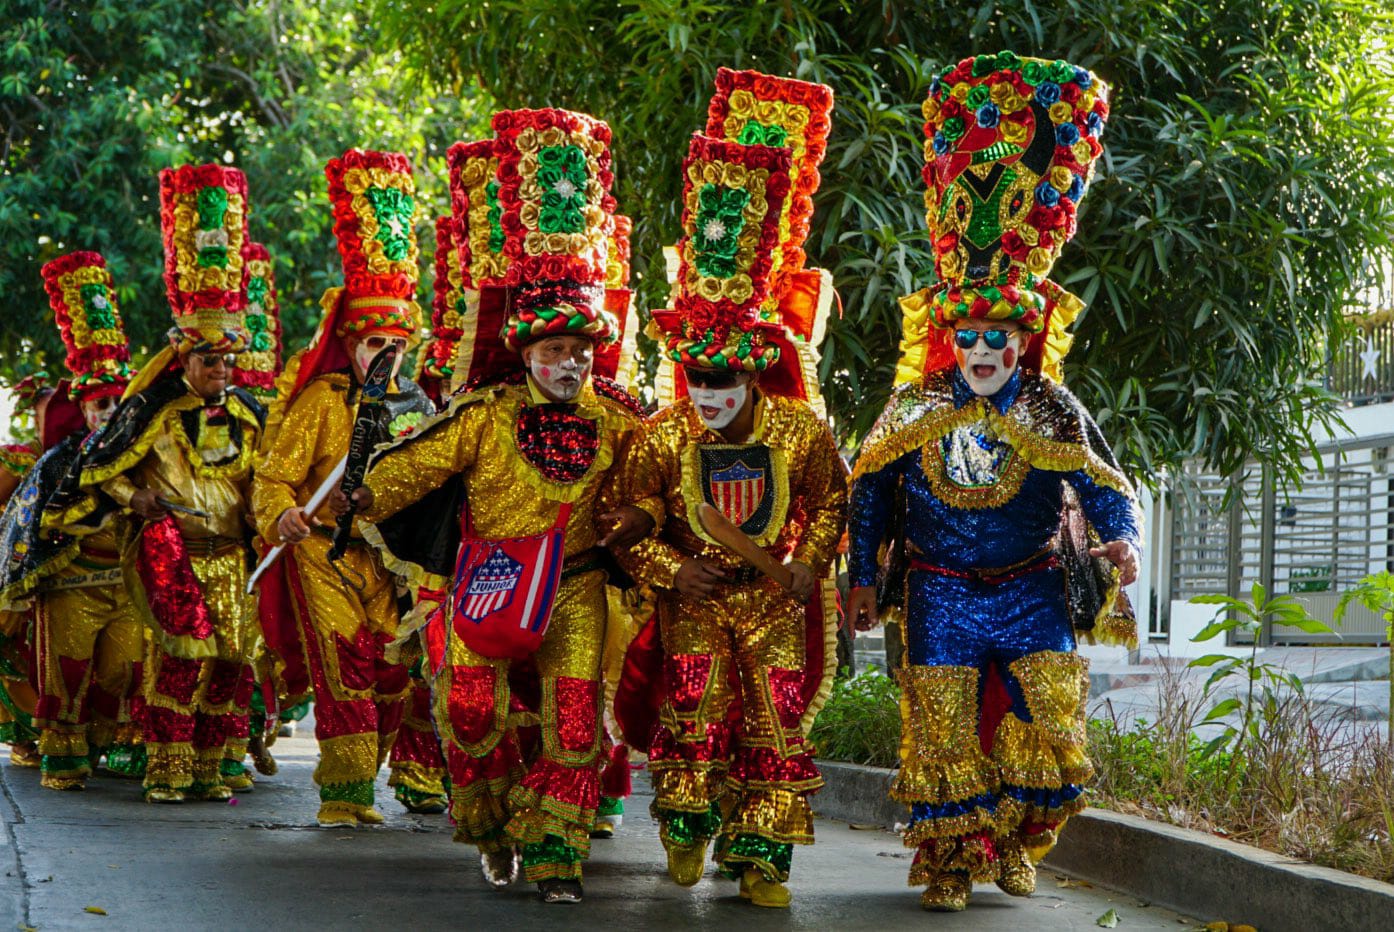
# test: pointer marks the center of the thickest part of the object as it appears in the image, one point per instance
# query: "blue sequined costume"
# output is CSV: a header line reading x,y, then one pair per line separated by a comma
x,y
983,482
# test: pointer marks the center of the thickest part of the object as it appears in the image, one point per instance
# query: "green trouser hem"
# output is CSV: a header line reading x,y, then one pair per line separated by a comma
x,y
771,858
231,768
551,859
126,759
413,797
17,732
610,805
56,766
359,793
687,828
295,712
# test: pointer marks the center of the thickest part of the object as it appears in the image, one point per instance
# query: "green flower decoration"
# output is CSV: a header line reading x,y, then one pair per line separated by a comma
x,y
96,301
719,221
403,424
491,197
562,175
394,209
754,133
212,208
257,289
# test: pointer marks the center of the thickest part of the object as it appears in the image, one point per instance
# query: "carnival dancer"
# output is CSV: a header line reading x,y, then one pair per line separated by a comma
x,y
346,608
526,459
88,640
178,456
18,697
744,443
986,444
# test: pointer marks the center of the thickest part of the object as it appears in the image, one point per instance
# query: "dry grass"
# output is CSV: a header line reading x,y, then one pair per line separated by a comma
x,y
1304,785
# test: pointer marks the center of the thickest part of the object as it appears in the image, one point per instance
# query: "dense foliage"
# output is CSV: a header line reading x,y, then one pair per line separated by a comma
x,y
96,97
1247,194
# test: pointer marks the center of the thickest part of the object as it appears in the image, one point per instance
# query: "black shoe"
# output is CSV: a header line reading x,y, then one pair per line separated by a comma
x,y
559,891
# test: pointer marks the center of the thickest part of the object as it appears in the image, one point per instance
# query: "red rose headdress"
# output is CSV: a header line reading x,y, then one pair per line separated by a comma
x,y
556,215
83,299
733,198
203,220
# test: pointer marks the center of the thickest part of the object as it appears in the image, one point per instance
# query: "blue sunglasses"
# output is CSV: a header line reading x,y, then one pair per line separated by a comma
x,y
967,339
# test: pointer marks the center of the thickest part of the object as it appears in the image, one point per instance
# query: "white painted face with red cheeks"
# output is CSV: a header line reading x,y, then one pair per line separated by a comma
x,y
718,407
97,411
986,369
560,365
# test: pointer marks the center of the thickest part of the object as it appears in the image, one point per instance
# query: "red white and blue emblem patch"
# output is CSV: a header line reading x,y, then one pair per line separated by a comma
x,y
491,586
738,481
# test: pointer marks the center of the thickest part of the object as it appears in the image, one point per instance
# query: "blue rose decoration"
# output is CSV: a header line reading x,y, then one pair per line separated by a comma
x,y
1047,93
934,85
989,116
1076,189
1066,134
1084,79
1047,195
1094,124
941,145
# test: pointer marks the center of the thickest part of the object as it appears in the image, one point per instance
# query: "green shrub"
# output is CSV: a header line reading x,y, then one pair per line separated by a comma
x,y
861,722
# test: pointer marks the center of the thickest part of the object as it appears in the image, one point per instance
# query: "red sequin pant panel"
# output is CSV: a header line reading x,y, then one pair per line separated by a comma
x,y
348,614
195,709
495,798
729,731
416,760
89,644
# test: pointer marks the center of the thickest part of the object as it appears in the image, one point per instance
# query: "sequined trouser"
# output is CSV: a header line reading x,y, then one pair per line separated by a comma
x,y
195,709
418,768
348,614
547,806
88,644
18,676
981,791
741,777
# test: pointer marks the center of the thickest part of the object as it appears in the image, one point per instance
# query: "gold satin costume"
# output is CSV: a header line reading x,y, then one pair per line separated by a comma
x,y
747,776
498,798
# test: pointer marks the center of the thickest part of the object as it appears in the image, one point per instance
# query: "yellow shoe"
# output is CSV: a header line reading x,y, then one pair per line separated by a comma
x,y
686,862
210,792
337,815
163,794
764,892
49,782
947,893
240,783
367,815
25,755
1018,874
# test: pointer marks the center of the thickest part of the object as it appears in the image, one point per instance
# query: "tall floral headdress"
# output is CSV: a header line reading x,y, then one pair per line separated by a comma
x,y
258,366
449,305
1011,145
733,197
203,219
83,299
617,360
556,214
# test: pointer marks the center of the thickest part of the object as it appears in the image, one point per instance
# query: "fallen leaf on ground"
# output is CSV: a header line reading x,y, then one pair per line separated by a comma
x,y
94,910
1073,884
1108,920
863,826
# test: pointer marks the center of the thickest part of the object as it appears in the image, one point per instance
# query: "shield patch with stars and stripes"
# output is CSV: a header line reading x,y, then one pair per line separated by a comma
x,y
737,481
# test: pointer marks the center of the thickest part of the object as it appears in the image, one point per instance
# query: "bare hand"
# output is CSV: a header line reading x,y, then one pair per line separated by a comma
x,y
803,582
628,525
294,525
861,608
698,579
1122,555
360,501
146,503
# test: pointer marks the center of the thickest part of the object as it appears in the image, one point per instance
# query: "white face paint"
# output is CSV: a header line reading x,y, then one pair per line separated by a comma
x,y
560,380
97,411
718,407
367,349
986,369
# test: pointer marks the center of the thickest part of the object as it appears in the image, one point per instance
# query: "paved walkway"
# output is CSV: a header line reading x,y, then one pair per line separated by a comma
x,y
263,864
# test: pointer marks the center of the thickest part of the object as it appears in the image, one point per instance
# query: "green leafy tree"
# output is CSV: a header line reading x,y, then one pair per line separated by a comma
x,y
96,97
1246,195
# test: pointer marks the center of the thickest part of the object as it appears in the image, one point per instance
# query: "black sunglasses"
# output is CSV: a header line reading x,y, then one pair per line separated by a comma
x,y
967,339
211,360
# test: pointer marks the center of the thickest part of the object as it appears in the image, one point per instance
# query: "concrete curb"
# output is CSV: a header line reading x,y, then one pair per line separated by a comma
x,y
1186,871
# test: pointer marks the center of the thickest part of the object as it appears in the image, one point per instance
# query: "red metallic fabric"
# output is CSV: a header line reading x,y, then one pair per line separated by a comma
x,y
171,589
471,701
578,712
765,765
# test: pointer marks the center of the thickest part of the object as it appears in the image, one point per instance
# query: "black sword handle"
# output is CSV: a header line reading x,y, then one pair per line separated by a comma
x,y
374,390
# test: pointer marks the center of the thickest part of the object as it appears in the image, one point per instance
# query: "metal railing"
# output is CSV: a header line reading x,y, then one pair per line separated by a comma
x,y
1316,542
1361,368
